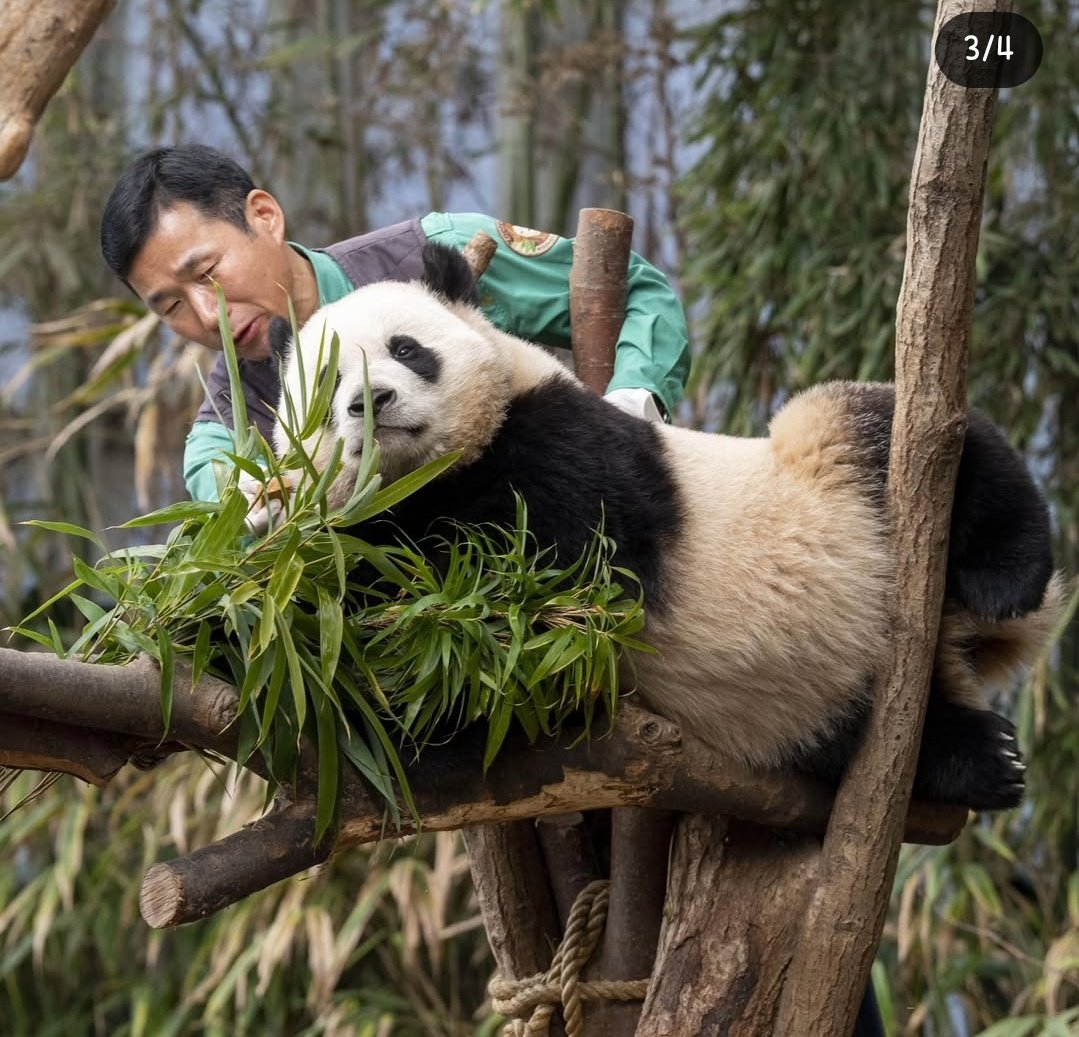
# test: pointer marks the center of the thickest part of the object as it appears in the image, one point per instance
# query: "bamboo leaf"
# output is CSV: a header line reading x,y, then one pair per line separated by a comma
x,y
67,529
167,662
327,766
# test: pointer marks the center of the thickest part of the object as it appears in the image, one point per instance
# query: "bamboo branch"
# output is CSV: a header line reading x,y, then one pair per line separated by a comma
x,y
40,40
846,914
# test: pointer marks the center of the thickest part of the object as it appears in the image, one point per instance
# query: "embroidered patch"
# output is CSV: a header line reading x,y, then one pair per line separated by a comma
x,y
526,242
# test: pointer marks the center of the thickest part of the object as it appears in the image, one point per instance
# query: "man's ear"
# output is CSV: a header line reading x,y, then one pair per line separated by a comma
x,y
264,212
446,271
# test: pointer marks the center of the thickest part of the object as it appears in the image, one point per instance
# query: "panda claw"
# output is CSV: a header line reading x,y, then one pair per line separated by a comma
x,y
983,771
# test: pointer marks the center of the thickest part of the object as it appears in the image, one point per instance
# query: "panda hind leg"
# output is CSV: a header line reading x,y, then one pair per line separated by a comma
x,y
969,756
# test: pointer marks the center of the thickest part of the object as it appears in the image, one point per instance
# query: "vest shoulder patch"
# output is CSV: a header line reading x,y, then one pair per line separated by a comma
x,y
525,241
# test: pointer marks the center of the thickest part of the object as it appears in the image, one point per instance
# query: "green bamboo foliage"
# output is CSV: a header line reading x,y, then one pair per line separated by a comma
x,y
380,940
371,651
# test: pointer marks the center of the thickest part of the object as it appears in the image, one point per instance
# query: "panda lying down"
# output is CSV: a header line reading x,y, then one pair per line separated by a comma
x,y
764,563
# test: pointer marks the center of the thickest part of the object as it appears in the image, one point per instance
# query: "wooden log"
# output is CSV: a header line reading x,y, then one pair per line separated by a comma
x,y
597,292
846,914
196,885
641,760
508,869
40,41
733,914
118,699
27,743
640,845
511,883
570,856
640,839
479,252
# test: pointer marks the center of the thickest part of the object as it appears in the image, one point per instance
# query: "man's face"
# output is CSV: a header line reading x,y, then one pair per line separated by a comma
x,y
188,252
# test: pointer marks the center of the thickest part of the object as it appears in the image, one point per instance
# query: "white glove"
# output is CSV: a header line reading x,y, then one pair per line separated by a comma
x,y
262,511
638,402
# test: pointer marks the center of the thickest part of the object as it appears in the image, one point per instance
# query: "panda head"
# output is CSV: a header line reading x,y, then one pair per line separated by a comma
x,y
438,381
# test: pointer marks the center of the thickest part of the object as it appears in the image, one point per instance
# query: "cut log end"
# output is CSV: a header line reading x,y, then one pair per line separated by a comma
x,y
479,252
15,135
161,899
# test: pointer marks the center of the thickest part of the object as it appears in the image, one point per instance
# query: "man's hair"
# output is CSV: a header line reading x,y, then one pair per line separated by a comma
x,y
158,180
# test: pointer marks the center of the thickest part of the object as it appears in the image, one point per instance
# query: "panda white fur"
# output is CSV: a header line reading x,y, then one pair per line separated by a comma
x,y
764,563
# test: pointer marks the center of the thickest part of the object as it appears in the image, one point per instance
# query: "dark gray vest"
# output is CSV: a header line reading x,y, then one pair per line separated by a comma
x,y
390,254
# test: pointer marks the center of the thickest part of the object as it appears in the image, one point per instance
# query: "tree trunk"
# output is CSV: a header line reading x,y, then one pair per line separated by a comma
x,y
846,914
734,904
39,42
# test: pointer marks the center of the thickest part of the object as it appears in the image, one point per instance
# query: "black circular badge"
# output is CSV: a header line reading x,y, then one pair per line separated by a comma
x,y
988,49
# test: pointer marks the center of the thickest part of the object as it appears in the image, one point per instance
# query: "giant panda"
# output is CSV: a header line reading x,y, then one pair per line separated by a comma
x,y
764,563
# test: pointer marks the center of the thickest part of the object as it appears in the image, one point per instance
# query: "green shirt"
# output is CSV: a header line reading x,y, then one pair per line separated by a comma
x,y
525,293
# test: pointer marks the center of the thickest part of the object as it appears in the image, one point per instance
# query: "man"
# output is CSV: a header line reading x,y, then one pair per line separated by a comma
x,y
182,219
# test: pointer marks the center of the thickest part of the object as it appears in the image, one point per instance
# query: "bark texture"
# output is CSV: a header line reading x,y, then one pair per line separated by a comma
x,y
40,41
640,847
734,907
597,292
511,883
846,913
198,884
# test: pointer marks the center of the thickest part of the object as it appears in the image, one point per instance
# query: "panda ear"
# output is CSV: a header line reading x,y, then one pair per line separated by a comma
x,y
446,271
280,334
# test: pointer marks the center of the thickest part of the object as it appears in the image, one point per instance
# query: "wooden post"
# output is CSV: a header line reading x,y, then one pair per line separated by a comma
x,y
597,292
39,42
734,908
640,838
846,914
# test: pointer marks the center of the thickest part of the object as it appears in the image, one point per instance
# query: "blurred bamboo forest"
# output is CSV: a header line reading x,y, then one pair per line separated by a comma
x,y
764,149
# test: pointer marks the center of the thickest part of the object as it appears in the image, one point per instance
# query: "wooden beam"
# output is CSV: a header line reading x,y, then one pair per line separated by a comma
x,y
641,760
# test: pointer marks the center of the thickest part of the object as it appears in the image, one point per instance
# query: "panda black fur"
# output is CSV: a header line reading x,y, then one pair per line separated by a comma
x,y
764,563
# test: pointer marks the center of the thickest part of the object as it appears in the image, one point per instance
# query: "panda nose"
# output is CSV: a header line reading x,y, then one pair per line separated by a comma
x,y
380,400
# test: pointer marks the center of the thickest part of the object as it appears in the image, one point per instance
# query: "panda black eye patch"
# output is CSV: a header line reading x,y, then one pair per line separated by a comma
x,y
423,361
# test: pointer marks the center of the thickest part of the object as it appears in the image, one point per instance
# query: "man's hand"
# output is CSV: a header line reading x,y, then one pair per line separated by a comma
x,y
638,402
264,503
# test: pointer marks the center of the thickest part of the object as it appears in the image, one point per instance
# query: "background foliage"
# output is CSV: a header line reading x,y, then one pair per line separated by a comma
x,y
764,149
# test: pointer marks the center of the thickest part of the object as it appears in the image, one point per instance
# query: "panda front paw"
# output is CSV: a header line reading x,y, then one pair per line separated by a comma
x,y
969,757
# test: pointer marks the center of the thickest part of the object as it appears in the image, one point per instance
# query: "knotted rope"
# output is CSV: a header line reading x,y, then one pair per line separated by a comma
x,y
529,1003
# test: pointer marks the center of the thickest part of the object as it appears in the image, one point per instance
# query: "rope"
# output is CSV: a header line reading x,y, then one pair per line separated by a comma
x,y
530,1003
